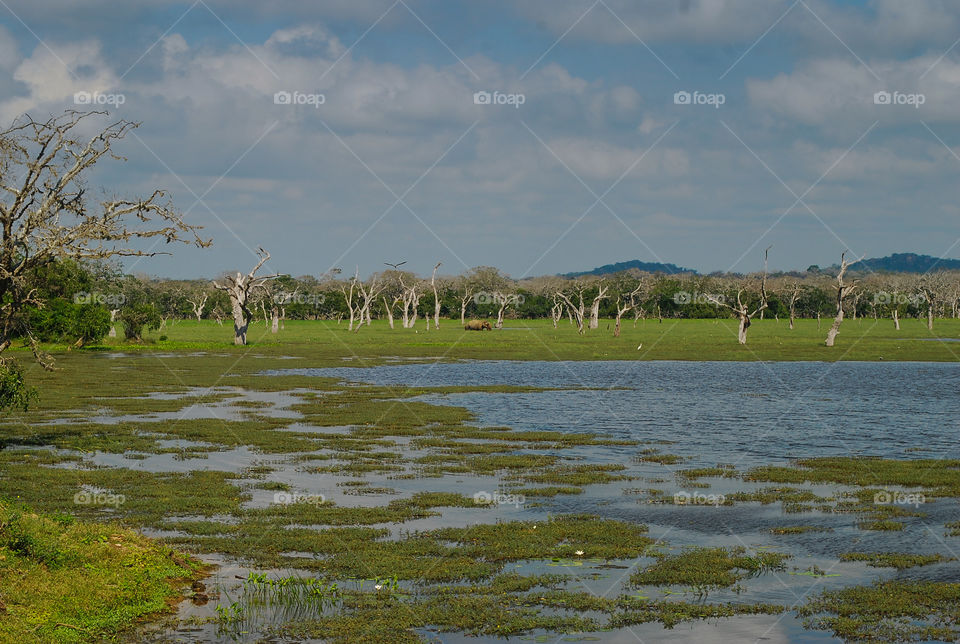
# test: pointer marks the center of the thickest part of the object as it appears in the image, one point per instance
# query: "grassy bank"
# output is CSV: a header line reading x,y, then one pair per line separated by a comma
x,y
63,580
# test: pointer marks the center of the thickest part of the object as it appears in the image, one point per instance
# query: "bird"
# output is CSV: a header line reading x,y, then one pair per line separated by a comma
x,y
640,347
396,267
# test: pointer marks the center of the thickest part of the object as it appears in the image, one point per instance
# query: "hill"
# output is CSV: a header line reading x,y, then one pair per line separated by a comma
x,y
907,263
647,267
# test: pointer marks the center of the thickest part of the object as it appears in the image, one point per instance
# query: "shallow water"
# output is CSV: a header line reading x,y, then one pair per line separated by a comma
x,y
744,414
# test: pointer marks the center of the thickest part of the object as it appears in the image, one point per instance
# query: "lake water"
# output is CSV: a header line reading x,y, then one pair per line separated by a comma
x,y
742,414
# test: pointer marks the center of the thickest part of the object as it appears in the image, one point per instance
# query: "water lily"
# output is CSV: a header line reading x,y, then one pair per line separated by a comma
x,y
378,586
579,553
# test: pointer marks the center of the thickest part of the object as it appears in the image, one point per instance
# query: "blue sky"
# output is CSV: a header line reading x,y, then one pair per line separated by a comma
x,y
598,163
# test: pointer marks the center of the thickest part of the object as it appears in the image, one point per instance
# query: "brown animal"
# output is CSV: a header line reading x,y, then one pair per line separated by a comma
x,y
477,325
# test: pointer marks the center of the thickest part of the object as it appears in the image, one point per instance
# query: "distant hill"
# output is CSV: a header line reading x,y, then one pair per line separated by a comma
x,y
907,263
647,267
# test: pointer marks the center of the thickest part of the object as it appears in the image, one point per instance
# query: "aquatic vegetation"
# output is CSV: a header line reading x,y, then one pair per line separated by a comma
x,y
889,611
705,568
898,560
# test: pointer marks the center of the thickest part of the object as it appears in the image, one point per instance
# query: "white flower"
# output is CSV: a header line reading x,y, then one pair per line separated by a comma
x,y
378,586
579,553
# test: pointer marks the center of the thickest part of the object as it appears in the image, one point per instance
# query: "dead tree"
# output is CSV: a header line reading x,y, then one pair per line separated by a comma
x,y
349,291
436,297
556,311
197,302
368,293
741,309
843,290
410,299
763,291
240,287
595,306
794,295
626,306
575,313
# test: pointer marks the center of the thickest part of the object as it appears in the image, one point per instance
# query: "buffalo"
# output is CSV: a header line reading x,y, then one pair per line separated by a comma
x,y
477,325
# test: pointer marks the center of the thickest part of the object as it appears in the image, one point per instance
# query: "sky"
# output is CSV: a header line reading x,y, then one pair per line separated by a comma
x,y
541,137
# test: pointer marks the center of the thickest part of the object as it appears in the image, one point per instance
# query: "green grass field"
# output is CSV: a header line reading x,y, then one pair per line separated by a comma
x,y
861,339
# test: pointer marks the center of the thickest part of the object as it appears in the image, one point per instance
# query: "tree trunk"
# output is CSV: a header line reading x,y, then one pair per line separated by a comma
x,y
389,312
240,323
744,325
896,319
835,327
930,317
275,320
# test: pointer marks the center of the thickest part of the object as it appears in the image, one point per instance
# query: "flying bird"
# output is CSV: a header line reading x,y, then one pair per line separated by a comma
x,y
396,267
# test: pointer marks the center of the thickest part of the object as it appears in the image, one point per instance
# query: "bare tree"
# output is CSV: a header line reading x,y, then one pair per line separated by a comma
x,y
410,299
595,306
795,290
349,291
45,212
369,293
742,309
436,297
625,303
197,302
240,288
843,290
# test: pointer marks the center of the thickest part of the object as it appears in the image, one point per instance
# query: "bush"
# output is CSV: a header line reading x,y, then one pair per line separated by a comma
x,y
14,394
136,318
63,321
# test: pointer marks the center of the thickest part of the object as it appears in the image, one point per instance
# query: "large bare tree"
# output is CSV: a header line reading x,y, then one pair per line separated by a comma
x,y
46,212
240,287
843,290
